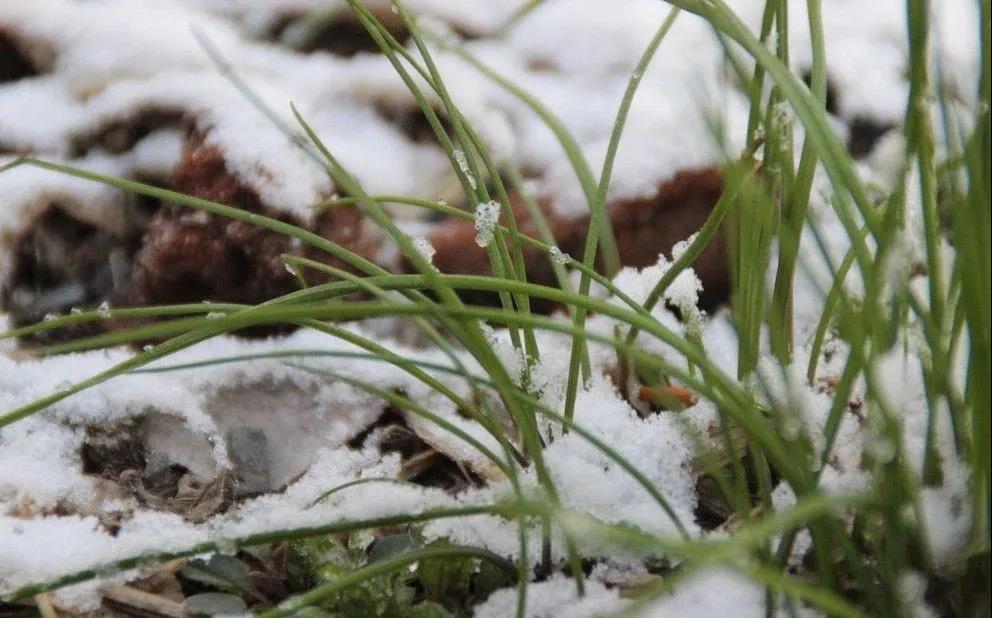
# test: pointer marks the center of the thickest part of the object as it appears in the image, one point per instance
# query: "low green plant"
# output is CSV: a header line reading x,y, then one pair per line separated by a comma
x,y
861,544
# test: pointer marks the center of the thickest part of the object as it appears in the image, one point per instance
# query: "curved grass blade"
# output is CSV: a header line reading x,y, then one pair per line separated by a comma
x,y
598,210
322,592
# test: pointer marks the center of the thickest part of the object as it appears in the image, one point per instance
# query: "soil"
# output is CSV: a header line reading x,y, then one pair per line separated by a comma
x,y
14,65
61,263
864,134
341,34
412,122
121,134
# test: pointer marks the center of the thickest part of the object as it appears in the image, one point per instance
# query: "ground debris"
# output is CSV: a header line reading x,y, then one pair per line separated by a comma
x,y
175,490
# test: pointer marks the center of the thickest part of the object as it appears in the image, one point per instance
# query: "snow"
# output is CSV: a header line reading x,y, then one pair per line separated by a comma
x,y
6,345
697,595
584,476
28,192
486,220
424,248
115,61
555,597
41,548
186,408
912,589
208,402
866,48
783,498
462,160
663,454
189,417
102,76
474,16
946,517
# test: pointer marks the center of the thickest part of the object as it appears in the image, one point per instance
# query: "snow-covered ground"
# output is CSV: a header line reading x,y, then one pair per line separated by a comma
x,y
110,60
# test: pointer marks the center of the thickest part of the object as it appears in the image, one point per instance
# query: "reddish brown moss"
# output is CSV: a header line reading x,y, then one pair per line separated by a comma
x,y
643,228
189,255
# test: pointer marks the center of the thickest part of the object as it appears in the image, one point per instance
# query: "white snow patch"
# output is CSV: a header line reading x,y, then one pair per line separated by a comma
x,y
716,591
556,597
486,220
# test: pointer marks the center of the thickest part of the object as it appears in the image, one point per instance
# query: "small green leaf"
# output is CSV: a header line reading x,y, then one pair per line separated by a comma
x,y
442,577
311,612
427,610
490,579
225,573
391,545
305,557
214,604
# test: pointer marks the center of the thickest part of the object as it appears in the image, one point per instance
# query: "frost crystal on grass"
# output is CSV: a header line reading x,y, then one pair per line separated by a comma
x,y
558,256
486,218
424,248
784,118
462,161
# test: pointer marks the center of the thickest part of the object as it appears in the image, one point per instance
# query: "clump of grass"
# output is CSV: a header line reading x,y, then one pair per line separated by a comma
x,y
862,543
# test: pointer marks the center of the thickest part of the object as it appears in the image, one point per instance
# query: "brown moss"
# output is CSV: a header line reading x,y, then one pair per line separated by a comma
x,y
189,255
643,228
169,254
